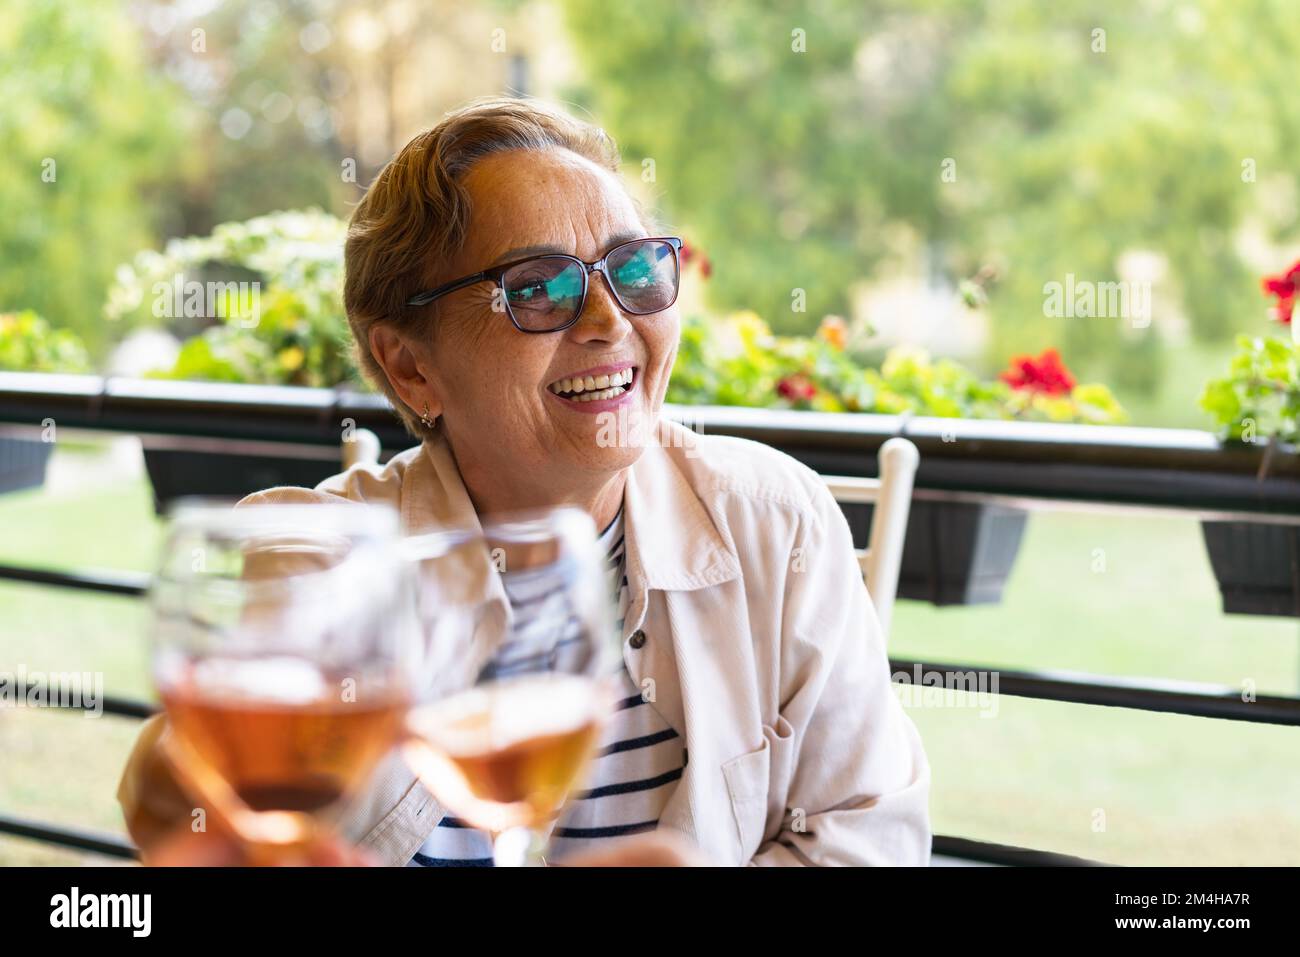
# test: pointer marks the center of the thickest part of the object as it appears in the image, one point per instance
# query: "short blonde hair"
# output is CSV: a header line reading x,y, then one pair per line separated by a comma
x,y
415,214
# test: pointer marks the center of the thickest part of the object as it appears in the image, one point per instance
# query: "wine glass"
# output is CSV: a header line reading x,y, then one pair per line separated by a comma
x,y
283,647
512,705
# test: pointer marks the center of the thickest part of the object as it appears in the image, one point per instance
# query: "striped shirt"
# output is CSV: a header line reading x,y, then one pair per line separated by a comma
x,y
640,758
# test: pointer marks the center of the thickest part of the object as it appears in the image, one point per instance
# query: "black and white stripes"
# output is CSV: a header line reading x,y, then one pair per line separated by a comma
x,y
640,759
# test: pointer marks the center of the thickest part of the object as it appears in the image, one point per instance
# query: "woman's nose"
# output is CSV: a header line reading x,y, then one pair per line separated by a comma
x,y
601,320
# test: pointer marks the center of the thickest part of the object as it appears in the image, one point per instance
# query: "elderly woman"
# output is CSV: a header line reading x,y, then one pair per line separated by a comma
x,y
517,307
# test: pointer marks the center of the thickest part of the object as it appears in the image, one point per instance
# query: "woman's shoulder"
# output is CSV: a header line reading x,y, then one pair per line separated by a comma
x,y
363,482
725,465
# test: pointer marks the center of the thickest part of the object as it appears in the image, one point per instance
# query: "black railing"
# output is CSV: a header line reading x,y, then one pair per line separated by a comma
x,y
1176,468
135,585
1014,463
111,845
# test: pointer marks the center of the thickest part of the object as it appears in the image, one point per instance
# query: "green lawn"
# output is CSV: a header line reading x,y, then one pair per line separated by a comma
x,y
1107,783
1176,402
59,766
1116,785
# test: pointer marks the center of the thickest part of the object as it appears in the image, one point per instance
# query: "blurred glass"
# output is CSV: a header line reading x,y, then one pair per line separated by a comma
x,y
512,705
283,649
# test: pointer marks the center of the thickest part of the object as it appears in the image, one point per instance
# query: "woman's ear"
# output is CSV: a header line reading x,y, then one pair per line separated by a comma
x,y
404,369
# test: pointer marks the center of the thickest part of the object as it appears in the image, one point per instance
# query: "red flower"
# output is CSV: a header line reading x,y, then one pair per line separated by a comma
x,y
1046,374
1286,288
796,388
689,254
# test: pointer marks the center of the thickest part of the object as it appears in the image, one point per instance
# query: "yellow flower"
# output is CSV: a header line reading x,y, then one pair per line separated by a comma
x,y
291,359
904,360
750,327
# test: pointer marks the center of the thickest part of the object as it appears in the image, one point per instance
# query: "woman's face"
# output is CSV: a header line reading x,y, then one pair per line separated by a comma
x,y
494,386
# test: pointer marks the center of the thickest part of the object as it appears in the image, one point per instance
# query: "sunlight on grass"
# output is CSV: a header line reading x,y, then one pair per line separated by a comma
x,y
1113,595
1110,784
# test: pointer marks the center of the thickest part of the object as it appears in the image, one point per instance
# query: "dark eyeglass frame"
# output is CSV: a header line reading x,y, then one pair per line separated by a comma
x,y
497,274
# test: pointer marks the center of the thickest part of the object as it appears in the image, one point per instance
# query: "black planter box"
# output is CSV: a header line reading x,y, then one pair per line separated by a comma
x,y
176,473
22,463
1257,566
955,553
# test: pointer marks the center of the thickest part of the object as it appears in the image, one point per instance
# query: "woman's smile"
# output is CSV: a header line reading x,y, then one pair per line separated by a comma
x,y
598,389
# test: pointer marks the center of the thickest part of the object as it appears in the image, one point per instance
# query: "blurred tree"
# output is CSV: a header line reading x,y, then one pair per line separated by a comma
x,y
265,80
88,137
1045,139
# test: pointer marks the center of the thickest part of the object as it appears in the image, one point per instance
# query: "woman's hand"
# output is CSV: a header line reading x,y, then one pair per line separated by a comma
x,y
654,849
186,848
214,848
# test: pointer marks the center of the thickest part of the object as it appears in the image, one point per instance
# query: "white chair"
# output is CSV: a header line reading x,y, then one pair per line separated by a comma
x,y
891,494
361,447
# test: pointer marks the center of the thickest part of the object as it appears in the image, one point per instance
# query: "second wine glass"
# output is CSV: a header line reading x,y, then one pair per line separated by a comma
x,y
511,734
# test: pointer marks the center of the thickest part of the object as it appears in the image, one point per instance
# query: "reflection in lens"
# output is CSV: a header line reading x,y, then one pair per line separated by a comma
x,y
545,292
644,276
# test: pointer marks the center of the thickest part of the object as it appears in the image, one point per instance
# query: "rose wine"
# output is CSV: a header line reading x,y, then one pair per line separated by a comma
x,y
272,743
506,754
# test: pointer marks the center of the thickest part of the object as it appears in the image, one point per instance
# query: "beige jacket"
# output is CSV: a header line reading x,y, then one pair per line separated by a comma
x,y
760,640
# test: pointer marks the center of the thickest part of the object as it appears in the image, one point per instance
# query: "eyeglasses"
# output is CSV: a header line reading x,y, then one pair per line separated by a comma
x,y
547,293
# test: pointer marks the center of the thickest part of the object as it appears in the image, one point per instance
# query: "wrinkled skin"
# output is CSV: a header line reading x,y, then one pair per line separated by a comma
x,y
518,446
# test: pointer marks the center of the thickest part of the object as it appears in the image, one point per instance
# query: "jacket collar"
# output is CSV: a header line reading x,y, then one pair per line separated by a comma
x,y
433,495
671,542
433,499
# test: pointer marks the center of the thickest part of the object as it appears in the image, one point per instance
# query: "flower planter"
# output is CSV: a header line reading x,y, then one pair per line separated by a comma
x,y
176,473
955,553
22,463
1257,566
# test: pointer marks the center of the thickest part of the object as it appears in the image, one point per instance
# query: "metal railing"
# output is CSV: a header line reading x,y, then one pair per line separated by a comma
x,y
1024,465
1176,468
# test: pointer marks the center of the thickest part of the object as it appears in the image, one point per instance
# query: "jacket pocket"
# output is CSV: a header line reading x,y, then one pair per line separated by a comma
x,y
747,784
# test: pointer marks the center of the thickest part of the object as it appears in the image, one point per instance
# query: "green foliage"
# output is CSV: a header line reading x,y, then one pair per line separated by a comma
x,y
266,133
119,124
738,361
88,137
1259,398
29,344
297,334
1068,148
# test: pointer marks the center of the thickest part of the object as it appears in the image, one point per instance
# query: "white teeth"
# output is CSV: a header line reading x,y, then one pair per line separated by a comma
x,y
602,394
589,388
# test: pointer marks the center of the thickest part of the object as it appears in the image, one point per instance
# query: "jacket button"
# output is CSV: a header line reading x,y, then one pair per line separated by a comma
x,y
637,640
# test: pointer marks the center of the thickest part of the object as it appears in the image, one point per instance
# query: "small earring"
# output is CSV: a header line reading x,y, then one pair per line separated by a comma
x,y
425,419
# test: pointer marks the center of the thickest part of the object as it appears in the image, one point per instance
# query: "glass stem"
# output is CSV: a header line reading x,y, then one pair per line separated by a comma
x,y
518,847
